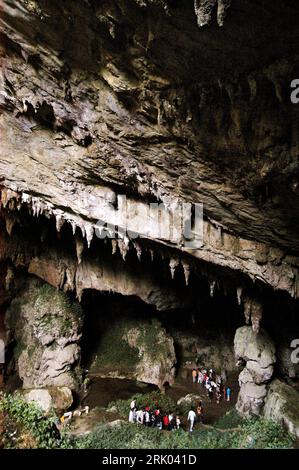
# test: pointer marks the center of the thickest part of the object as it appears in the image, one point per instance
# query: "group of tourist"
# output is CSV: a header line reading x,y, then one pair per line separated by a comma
x,y
213,384
153,417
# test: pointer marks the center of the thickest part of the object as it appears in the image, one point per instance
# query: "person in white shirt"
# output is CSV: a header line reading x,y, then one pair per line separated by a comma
x,y
191,419
133,404
139,416
131,416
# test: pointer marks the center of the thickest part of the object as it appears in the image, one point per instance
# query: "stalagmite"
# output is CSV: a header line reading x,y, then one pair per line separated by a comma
x,y
173,264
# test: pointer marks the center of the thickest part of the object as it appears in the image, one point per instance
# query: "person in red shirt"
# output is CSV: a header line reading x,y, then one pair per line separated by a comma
x,y
165,422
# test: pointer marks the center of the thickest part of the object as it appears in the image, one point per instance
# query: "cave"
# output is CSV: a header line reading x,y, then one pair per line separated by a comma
x,y
149,201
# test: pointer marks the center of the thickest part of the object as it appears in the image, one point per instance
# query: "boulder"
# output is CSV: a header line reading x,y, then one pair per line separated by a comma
x,y
190,399
57,399
254,347
139,350
281,405
251,399
259,374
258,351
157,358
47,327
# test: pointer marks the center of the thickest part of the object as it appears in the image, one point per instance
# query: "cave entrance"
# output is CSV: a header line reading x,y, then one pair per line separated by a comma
x,y
108,319
202,336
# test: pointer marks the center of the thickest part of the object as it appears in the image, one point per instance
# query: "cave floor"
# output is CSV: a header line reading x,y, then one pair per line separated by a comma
x,y
104,390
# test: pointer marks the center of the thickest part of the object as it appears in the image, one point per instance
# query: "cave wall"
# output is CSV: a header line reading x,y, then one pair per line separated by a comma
x,y
163,101
100,99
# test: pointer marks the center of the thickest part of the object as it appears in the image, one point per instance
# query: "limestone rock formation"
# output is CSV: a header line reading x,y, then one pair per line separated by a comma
x,y
156,352
58,399
47,327
140,350
281,405
206,347
152,100
124,107
258,351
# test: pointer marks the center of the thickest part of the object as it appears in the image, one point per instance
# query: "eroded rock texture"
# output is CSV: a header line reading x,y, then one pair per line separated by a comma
x,y
47,327
281,405
258,352
102,98
151,99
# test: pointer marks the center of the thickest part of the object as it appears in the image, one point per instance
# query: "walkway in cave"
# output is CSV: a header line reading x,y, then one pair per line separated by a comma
x,y
105,390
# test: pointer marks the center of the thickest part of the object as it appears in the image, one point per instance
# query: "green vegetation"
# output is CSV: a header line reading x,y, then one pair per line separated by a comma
x,y
18,349
114,351
148,339
46,294
253,434
230,420
24,425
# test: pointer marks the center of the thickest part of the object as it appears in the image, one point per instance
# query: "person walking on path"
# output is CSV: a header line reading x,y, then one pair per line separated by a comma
x,y
191,419
194,375
228,393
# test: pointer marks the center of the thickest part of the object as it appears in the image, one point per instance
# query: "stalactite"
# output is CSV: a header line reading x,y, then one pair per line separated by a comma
x,y
79,249
253,311
138,249
9,279
123,246
247,309
186,267
212,288
73,225
239,295
173,264
59,222
114,246
256,315
89,232
10,221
